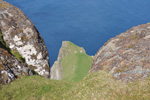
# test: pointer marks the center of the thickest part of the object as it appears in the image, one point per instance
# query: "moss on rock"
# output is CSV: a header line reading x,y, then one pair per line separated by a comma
x,y
17,55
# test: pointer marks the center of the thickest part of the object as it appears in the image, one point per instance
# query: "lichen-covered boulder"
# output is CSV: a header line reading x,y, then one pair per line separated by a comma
x,y
126,56
20,35
11,68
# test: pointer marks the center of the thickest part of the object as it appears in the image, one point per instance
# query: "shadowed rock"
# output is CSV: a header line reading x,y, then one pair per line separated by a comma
x,y
11,68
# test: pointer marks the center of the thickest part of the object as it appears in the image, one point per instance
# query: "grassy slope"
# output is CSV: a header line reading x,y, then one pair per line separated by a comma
x,y
101,86
97,86
76,66
34,88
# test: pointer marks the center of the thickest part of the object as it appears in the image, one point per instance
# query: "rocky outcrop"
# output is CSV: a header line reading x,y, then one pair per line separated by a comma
x,y
11,68
20,35
68,62
126,56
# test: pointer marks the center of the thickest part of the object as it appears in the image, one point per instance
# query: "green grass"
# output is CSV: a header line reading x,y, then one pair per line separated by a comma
x,y
17,55
97,86
76,66
101,86
35,88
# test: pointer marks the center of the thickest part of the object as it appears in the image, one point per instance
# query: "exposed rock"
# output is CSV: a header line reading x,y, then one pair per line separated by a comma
x,y
20,35
126,56
56,71
11,68
70,60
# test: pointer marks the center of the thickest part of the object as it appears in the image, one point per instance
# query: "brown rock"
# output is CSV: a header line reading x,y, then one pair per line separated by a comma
x,y
126,56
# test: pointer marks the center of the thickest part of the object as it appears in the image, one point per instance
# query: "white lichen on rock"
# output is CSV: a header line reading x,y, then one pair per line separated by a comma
x,y
20,34
39,56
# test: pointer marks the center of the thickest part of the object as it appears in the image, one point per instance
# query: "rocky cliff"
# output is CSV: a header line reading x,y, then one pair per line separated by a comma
x,y
11,68
72,63
126,56
21,36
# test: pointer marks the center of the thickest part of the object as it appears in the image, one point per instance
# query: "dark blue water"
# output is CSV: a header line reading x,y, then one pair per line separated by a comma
x,y
87,23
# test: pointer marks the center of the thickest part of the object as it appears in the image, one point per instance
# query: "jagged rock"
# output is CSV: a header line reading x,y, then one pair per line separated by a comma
x,y
126,56
11,68
71,62
20,35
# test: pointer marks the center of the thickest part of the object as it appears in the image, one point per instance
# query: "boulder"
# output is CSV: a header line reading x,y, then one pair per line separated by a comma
x,y
20,35
126,56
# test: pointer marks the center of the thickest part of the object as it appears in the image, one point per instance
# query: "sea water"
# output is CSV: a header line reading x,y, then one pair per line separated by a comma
x,y
87,23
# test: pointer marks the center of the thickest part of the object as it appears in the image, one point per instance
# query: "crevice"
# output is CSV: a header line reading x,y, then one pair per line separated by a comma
x,y
15,53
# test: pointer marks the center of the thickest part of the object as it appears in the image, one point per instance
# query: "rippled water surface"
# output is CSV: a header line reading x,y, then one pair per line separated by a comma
x,y
87,23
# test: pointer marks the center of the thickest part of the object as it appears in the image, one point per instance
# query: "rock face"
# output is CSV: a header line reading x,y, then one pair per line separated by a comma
x,y
20,35
126,56
11,68
71,60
